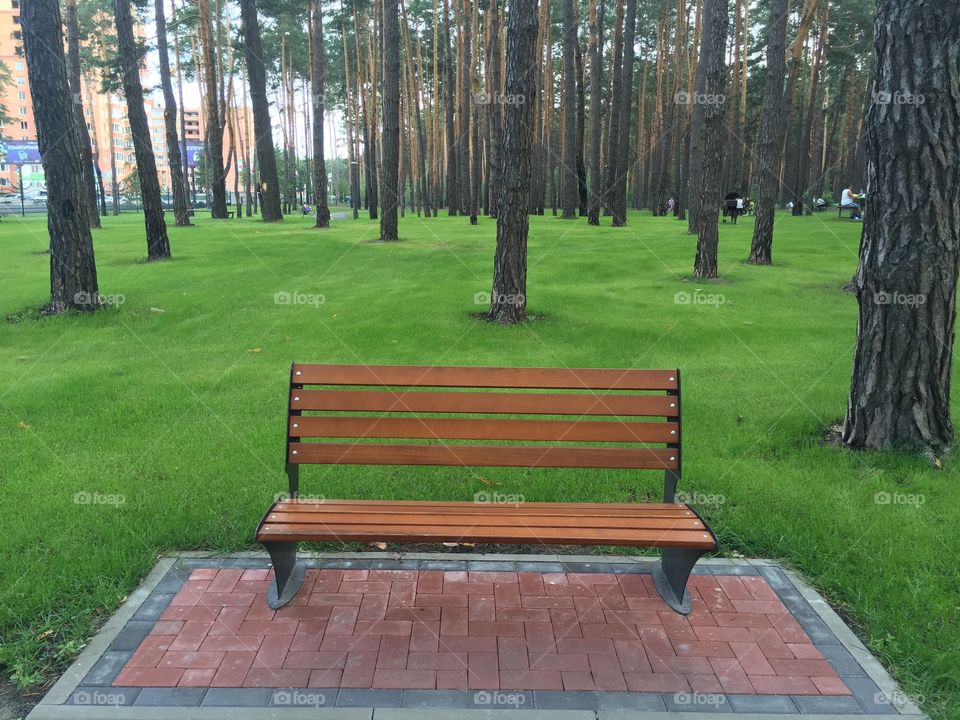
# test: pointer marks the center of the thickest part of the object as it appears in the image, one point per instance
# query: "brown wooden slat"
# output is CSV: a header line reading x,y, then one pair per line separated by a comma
x,y
481,455
498,534
499,377
488,429
481,520
483,402
630,510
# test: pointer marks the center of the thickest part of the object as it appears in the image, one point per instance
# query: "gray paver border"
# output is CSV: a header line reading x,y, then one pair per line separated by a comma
x,y
805,603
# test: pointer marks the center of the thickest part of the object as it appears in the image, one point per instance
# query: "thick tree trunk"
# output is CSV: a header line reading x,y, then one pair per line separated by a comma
x,y
569,182
463,140
213,137
613,119
581,131
508,300
495,107
268,181
596,61
714,136
910,252
158,245
449,98
391,120
317,67
73,271
170,121
771,136
86,152
618,199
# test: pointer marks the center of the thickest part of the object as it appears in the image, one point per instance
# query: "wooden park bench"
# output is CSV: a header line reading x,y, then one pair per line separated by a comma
x,y
399,415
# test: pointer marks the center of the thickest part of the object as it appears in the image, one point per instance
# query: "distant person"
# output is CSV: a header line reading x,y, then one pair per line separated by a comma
x,y
820,203
733,206
670,205
306,209
849,200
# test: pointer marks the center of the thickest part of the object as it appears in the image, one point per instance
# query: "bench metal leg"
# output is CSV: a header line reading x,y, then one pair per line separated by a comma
x,y
288,573
671,575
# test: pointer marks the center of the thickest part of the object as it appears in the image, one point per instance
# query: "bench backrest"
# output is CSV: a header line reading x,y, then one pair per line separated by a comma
x,y
401,415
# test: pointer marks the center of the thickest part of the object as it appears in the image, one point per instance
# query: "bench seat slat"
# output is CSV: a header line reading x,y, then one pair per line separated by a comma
x,y
652,510
424,401
481,455
492,377
495,534
532,521
456,429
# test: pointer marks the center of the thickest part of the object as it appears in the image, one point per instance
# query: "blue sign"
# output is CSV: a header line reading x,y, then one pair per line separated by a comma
x,y
20,152
193,151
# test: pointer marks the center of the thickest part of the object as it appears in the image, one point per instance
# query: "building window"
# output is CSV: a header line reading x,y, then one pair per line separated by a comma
x,y
23,110
21,95
16,19
15,4
18,50
17,35
120,156
24,125
19,65
3,167
20,80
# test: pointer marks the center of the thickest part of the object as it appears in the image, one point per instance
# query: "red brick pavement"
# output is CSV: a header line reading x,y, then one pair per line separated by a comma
x,y
479,630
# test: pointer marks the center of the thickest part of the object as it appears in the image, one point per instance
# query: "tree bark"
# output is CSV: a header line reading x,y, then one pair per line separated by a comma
x,y
713,140
213,137
73,270
771,136
508,300
596,60
463,140
268,181
170,121
907,280
581,131
86,151
317,67
618,200
613,119
449,97
569,182
158,245
391,120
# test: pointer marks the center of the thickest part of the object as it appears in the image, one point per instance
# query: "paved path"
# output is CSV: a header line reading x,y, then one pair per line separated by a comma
x,y
378,637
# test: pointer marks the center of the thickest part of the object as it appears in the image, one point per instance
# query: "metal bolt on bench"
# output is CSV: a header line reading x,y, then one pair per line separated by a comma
x,y
606,422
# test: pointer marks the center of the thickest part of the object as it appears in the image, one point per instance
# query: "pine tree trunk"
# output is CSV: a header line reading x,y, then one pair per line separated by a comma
x,y
508,301
449,97
73,270
581,130
86,152
618,200
596,60
713,139
317,67
213,137
613,119
569,182
158,245
771,136
463,140
170,121
268,180
494,107
907,280
391,121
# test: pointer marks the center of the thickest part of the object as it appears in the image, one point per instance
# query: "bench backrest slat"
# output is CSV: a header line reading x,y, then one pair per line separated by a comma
x,y
601,419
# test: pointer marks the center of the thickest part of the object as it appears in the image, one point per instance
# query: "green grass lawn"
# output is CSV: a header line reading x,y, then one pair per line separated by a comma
x,y
166,411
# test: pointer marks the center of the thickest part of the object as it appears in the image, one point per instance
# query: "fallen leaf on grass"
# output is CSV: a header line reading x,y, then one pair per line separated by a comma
x,y
256,349
157,310
453,545
23,426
